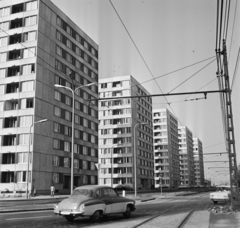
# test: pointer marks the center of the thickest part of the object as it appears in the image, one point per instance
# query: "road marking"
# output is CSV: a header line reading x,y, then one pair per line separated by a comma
x,y
29,217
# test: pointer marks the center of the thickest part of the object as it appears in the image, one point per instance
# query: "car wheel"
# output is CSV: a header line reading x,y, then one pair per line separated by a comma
x,y
70,218
96,216
127,213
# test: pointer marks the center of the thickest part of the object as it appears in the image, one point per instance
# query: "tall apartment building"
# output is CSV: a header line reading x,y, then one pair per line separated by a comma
x,y
198,162
166,149
40,47
187,175
119,118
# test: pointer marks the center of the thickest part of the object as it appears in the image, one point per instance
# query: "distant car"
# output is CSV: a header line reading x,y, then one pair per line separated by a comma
x,y
94,201
222,194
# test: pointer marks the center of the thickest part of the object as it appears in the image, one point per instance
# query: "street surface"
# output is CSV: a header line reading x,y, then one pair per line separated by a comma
x,y
144,210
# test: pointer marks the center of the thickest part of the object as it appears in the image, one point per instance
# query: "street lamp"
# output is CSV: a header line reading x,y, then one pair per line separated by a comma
x,y
73,102
135,156
40,121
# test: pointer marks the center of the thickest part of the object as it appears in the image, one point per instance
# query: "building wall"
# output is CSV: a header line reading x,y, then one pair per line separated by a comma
x,y
166,154
187,175
61,50
118,118
198,162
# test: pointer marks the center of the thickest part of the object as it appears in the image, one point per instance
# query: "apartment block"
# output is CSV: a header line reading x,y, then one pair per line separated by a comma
x,y
125,130
166,149
40,47
187,175
198,162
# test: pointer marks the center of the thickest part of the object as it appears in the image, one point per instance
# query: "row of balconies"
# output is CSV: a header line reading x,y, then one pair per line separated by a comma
x,y
15,104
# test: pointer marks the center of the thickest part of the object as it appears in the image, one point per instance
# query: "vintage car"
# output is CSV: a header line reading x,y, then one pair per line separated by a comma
x,y
94,201
222,194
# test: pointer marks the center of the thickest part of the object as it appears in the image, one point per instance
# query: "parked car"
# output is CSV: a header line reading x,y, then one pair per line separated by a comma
x,y
222,194
94,201
126,187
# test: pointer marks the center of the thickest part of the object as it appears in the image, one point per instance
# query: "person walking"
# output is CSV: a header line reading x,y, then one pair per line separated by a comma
x,y
52,190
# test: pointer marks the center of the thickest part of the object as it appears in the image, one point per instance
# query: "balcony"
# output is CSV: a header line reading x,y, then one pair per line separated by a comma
x,y
12,88
10,122
11,105
15,39
7,177
17,8
15,55
8,158
9,140
17,23
13,71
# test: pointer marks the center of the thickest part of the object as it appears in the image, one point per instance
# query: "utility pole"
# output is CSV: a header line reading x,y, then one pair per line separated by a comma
x,y
230,129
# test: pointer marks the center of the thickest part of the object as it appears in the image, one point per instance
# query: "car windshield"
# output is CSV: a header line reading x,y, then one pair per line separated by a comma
x,y
82,192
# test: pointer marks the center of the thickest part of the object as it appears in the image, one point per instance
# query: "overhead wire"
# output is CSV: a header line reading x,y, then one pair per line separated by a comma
x,y
191,76
141,56
232,31
236,69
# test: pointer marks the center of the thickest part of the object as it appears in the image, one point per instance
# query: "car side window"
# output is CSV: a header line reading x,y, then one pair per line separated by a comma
x,y
112,192
104,192
98,193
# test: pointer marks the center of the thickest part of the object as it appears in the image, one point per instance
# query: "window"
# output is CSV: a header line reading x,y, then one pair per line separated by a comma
x,y
25,121
31,5
59,50
56,144
23,157
56,127
66,162
27,86
84,179
30,20
3,57
2,73
76,163
29,36
21,176
29,52
4,11
55,161
84,150
24,139
57,111
28,69
3,41
84,164
55,177
4,25
57,95
67,146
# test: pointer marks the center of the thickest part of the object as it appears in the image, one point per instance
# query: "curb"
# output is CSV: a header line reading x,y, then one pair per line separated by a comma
x,y
145,200
23,210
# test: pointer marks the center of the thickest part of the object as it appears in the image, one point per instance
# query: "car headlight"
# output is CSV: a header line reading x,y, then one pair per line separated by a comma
x,y
82,207
55,206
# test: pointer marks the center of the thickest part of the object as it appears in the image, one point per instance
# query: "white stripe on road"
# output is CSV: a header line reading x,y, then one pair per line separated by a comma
x,y
30,217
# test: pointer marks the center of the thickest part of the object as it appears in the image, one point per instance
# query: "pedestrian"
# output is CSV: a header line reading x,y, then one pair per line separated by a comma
x,y
52,190
34,192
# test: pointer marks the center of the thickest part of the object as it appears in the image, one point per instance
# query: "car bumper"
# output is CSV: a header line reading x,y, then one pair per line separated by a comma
x,y
68,212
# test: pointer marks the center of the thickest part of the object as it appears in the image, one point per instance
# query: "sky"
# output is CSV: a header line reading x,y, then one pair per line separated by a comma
x,y
149,39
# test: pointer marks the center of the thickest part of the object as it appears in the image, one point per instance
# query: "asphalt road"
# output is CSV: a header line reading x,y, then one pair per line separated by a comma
x,y
144,210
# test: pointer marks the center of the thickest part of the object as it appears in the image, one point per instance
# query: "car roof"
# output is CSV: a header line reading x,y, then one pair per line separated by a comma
x,y
93,187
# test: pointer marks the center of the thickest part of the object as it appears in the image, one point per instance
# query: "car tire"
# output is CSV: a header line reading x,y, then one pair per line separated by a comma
x,y
69,218
96,216
128,211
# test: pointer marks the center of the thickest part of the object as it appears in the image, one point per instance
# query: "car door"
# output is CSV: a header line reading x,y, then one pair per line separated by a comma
x,y
118,204
104,196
